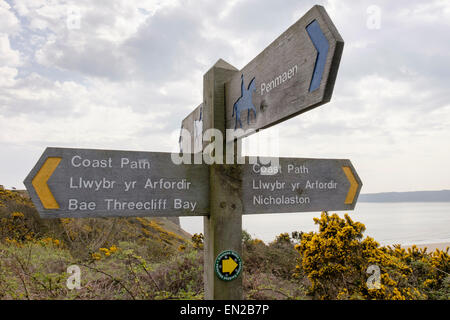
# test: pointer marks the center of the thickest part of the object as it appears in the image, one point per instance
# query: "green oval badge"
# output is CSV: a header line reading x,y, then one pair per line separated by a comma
x,y
228,265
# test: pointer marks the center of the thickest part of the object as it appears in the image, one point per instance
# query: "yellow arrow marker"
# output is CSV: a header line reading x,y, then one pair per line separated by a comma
x,y
353,185
228,265
39,183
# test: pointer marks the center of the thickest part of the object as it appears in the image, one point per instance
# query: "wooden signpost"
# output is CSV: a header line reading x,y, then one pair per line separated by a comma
x,y
294,74
81,183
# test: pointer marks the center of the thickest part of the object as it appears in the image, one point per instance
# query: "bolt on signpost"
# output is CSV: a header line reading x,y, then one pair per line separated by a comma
x,y
294,74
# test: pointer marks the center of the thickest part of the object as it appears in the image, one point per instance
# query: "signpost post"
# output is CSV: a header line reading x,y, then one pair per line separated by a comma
x,y
296,73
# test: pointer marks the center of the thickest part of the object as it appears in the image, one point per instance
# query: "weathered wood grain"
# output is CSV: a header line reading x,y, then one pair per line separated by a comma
x,y
320,185
295,51
64,184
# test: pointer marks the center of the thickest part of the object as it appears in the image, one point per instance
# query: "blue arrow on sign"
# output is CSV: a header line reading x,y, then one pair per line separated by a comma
x,y
321,44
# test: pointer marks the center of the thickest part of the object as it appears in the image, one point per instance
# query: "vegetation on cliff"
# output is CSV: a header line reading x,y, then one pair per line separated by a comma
x,y
140,258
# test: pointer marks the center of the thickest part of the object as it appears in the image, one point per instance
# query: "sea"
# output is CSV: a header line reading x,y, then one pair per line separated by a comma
x,y
404,223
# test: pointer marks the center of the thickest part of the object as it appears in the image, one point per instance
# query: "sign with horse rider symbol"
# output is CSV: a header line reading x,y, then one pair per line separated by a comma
x,y
294,74
228,265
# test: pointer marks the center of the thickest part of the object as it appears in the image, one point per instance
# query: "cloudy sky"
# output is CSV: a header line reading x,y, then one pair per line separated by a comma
x,y
123,74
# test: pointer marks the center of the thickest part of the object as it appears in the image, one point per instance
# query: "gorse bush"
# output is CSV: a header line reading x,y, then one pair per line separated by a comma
x,y
336,259
20,221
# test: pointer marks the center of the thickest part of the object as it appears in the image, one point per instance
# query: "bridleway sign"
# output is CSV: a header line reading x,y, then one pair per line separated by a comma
x,y
294,74
81,183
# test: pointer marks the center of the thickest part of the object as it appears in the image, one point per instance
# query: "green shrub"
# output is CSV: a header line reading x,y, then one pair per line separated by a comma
x,y
336,258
